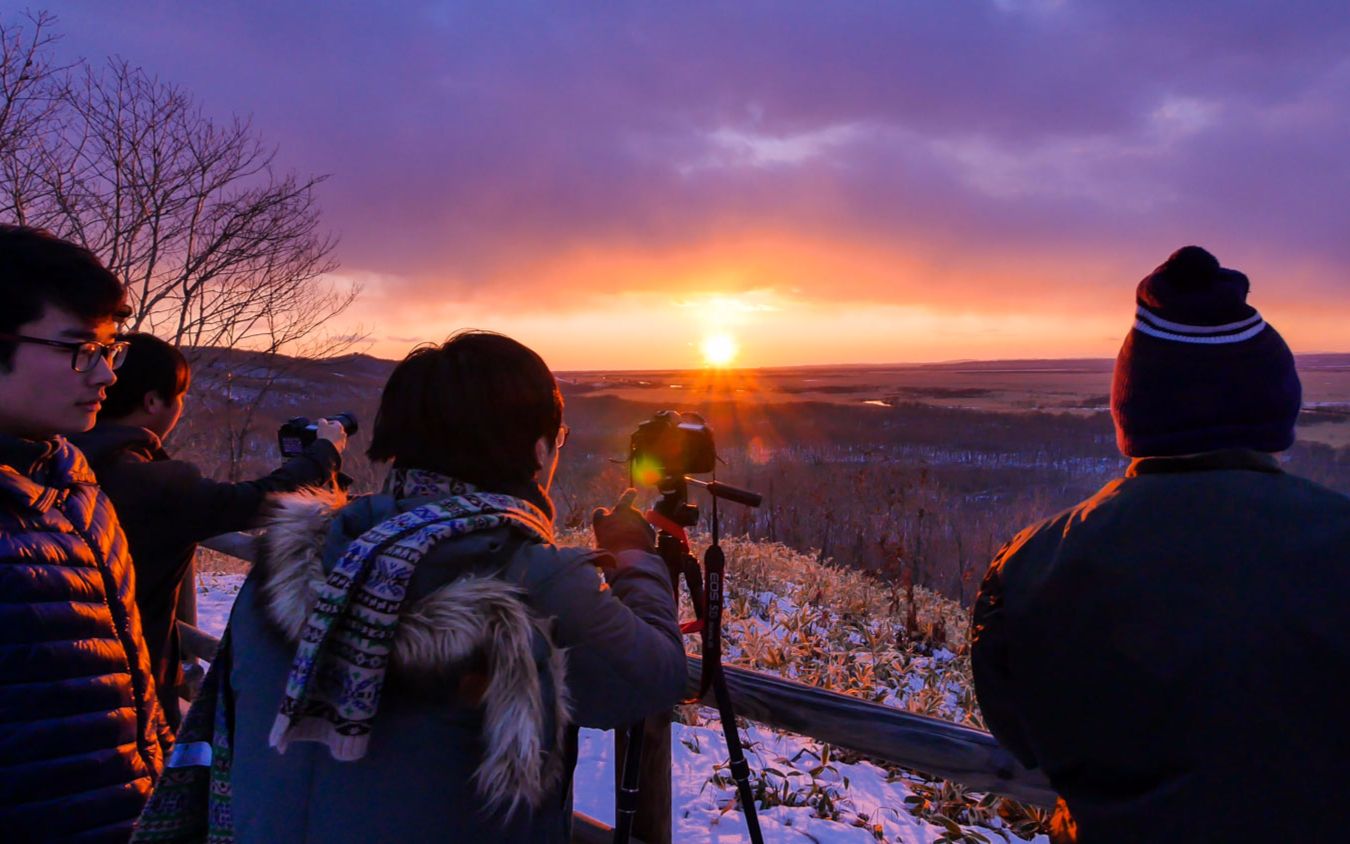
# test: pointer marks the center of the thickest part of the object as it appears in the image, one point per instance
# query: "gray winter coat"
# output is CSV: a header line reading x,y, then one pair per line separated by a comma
x,y
608,652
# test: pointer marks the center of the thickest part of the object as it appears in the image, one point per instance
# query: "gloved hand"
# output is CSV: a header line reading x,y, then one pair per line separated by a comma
x,y
623,528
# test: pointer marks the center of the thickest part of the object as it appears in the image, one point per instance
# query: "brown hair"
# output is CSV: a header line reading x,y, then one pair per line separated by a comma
x,y
472,408
151,366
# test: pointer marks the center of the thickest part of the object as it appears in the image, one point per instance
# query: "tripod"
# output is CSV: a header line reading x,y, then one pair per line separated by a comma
x,y
671,515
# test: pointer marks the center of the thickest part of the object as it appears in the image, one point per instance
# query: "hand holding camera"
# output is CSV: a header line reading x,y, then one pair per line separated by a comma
x,y
623,528
333,431
297,433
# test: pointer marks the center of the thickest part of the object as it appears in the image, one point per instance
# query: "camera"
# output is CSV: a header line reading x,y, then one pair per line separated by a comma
x,y
671,445
298,432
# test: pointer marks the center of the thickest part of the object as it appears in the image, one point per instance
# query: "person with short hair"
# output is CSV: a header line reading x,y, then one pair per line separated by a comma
x,y
82,736
414,665
1167,651
167,506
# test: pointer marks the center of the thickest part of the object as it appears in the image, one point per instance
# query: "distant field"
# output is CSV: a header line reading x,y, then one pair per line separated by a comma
x,y
1055,386
1059,385
911,472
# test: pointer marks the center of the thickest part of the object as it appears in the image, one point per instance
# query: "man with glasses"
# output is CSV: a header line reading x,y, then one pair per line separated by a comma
x,y
82,735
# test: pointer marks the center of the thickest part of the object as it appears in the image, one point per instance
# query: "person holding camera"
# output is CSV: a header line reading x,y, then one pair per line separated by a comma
x,y
82,736
165,505
414,665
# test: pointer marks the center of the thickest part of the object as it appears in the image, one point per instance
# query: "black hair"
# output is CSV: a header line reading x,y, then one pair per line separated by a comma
x,y
472,408
38,269
151,366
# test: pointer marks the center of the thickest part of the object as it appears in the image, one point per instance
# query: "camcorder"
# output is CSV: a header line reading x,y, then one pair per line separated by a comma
x,y
298,432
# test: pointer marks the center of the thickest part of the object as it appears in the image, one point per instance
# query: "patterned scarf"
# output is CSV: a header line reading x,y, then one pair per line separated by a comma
x,y
334,686
346,642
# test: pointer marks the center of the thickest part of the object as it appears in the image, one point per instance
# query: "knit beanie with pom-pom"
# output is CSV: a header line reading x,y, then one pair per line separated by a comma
x,y
1201,370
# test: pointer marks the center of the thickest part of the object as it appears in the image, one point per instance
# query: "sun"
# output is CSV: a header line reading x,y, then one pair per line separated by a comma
x,y
719,350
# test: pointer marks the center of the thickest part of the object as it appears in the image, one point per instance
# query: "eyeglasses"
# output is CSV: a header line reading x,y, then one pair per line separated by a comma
x,y
84,356
561,441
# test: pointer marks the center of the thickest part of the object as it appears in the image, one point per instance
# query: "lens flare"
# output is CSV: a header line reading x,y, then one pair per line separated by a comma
x,y
719,349
646,471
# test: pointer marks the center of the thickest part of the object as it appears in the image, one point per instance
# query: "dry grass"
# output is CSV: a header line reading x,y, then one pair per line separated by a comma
x,y
845,630
209,561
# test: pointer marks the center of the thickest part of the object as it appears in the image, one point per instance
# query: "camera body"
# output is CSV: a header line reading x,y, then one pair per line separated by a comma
x,y
669,446
297,433
665,450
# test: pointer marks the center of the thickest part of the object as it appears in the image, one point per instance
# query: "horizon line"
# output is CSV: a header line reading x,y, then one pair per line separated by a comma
x,y
883,364
783,367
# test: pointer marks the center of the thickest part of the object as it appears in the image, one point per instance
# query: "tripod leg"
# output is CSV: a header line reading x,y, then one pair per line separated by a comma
x,y
626,799
740,769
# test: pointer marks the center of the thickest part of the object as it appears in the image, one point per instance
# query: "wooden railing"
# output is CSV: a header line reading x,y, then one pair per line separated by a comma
x,y
929,746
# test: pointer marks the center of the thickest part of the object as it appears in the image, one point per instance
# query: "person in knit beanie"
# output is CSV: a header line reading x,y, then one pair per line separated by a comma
x,y
1144,647
1201,370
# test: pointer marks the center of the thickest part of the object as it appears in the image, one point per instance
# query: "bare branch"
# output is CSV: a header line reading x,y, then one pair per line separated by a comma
x,y
218,249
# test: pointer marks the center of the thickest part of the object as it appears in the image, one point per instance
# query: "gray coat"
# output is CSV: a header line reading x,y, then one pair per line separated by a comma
x,y
453,712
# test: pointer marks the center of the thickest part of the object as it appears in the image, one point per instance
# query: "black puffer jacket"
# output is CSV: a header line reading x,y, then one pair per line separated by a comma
x,y
1169,652
166,507
82,737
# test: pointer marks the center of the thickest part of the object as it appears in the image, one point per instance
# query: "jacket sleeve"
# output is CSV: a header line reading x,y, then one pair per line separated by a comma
x,y
625,659
994,684
122,574
198,507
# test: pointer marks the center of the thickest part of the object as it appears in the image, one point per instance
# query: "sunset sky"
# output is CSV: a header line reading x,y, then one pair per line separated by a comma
x,y
831,182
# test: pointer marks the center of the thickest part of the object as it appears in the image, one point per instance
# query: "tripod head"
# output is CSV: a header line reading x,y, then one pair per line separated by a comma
x,y
673,508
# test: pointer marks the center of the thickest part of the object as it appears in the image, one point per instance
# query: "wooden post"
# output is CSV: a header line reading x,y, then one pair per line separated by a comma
x,y
240,545
652,823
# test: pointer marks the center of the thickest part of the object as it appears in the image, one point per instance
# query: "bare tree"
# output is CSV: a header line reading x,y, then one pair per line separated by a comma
x,y
31,93
218,249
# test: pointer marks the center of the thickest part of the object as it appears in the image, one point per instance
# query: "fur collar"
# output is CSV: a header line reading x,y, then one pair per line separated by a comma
x,y
467,617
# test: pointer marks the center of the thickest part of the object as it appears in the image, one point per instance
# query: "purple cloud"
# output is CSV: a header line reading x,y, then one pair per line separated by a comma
x,y
470,144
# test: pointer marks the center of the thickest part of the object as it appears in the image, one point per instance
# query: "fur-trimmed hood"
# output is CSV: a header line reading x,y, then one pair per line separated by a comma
x,y
473,619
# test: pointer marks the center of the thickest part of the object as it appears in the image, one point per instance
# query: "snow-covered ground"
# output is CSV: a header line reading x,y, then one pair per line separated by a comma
x,y
215,596
702,807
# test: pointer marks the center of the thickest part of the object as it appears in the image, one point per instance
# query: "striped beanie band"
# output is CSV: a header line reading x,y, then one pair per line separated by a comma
x,y
1205,335
1201,370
